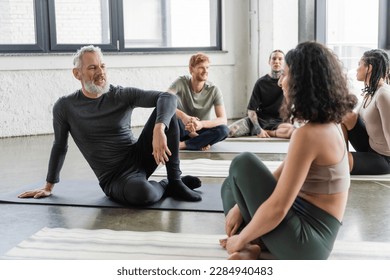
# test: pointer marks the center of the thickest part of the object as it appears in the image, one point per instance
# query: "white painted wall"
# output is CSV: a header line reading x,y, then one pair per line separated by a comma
x,y
273,25
30,84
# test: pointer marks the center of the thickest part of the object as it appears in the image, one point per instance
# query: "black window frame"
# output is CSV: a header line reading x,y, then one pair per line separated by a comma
x,y
55,47
46,39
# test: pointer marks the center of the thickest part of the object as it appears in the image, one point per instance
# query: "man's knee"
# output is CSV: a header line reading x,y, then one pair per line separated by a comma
x,y
140,193
222,131
239,128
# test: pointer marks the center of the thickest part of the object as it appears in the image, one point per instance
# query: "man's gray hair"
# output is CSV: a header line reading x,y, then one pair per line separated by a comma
x,y
79,54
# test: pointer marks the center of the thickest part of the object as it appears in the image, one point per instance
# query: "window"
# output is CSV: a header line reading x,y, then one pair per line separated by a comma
x,y
19,22
351,27
114,25
171,24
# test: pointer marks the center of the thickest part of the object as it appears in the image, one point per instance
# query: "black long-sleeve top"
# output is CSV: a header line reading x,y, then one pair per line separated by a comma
x,y
101,127
266,98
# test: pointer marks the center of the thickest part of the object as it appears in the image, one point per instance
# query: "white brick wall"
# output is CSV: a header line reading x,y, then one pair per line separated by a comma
x,y
16,22
79,21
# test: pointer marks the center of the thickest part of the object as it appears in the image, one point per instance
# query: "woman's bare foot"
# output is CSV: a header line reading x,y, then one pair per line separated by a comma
x,y
250,252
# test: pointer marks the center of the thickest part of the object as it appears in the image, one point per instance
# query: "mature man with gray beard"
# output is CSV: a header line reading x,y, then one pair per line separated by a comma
x,y
98,116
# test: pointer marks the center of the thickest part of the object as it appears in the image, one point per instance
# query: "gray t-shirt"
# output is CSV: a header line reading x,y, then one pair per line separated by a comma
x,y
196,104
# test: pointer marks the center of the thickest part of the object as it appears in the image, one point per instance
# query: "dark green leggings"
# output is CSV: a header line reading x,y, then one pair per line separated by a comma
x,y
307,232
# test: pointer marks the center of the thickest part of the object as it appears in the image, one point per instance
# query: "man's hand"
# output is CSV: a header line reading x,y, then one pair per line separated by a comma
x,y
161,151
263,134
38,193
194,125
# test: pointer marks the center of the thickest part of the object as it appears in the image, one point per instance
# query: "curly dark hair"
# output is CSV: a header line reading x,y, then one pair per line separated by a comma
x,y
317,85
379,60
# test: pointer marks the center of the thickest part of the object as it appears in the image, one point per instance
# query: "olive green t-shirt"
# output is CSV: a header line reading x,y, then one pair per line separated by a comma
x,y
196,104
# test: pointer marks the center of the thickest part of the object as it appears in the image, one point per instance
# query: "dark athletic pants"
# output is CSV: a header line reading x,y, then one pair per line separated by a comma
x,y
365,160
130,185
307,232
207,136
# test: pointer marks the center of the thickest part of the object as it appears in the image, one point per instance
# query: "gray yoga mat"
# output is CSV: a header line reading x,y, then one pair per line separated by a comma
x,y
259,147
105,244
89,194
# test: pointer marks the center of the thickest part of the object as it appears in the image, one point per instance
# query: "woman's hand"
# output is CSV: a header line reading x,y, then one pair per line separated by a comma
x,y
233,221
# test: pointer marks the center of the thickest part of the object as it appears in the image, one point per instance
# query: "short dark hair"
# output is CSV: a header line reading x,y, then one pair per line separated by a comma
x,y
317,85
275,51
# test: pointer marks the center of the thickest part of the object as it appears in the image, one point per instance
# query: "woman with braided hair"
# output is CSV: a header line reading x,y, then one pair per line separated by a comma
x,y
368,130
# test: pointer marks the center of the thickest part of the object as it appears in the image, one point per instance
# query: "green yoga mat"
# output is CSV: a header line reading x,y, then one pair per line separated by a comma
x,y
89,194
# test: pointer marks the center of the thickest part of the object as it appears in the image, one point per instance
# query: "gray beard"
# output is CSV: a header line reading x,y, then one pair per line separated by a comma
x,y
94,89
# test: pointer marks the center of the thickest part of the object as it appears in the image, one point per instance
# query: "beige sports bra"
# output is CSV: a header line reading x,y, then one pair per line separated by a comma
x,y
328,179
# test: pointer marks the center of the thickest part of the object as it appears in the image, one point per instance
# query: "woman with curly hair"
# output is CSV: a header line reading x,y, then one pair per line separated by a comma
x,y
368,130
296,211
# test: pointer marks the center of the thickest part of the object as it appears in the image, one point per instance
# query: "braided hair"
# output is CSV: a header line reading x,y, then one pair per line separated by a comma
x,y
379,60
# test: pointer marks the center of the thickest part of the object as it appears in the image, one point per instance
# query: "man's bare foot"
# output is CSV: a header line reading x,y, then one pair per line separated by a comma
x,y
250,252
182,145
271,133
206,148
193,134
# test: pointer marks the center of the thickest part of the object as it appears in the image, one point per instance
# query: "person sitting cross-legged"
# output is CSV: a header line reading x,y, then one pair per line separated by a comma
x,y
196,97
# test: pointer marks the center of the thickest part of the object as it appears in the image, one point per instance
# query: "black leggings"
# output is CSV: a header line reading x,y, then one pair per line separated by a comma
x,y
366,161
131,185
307,232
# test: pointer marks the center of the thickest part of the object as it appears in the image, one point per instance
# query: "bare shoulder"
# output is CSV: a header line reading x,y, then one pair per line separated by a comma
x,y
310,136
304,133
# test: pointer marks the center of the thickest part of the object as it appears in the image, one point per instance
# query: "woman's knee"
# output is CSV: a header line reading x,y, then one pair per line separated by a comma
x,y
227,196
243,162
369,164
247,168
